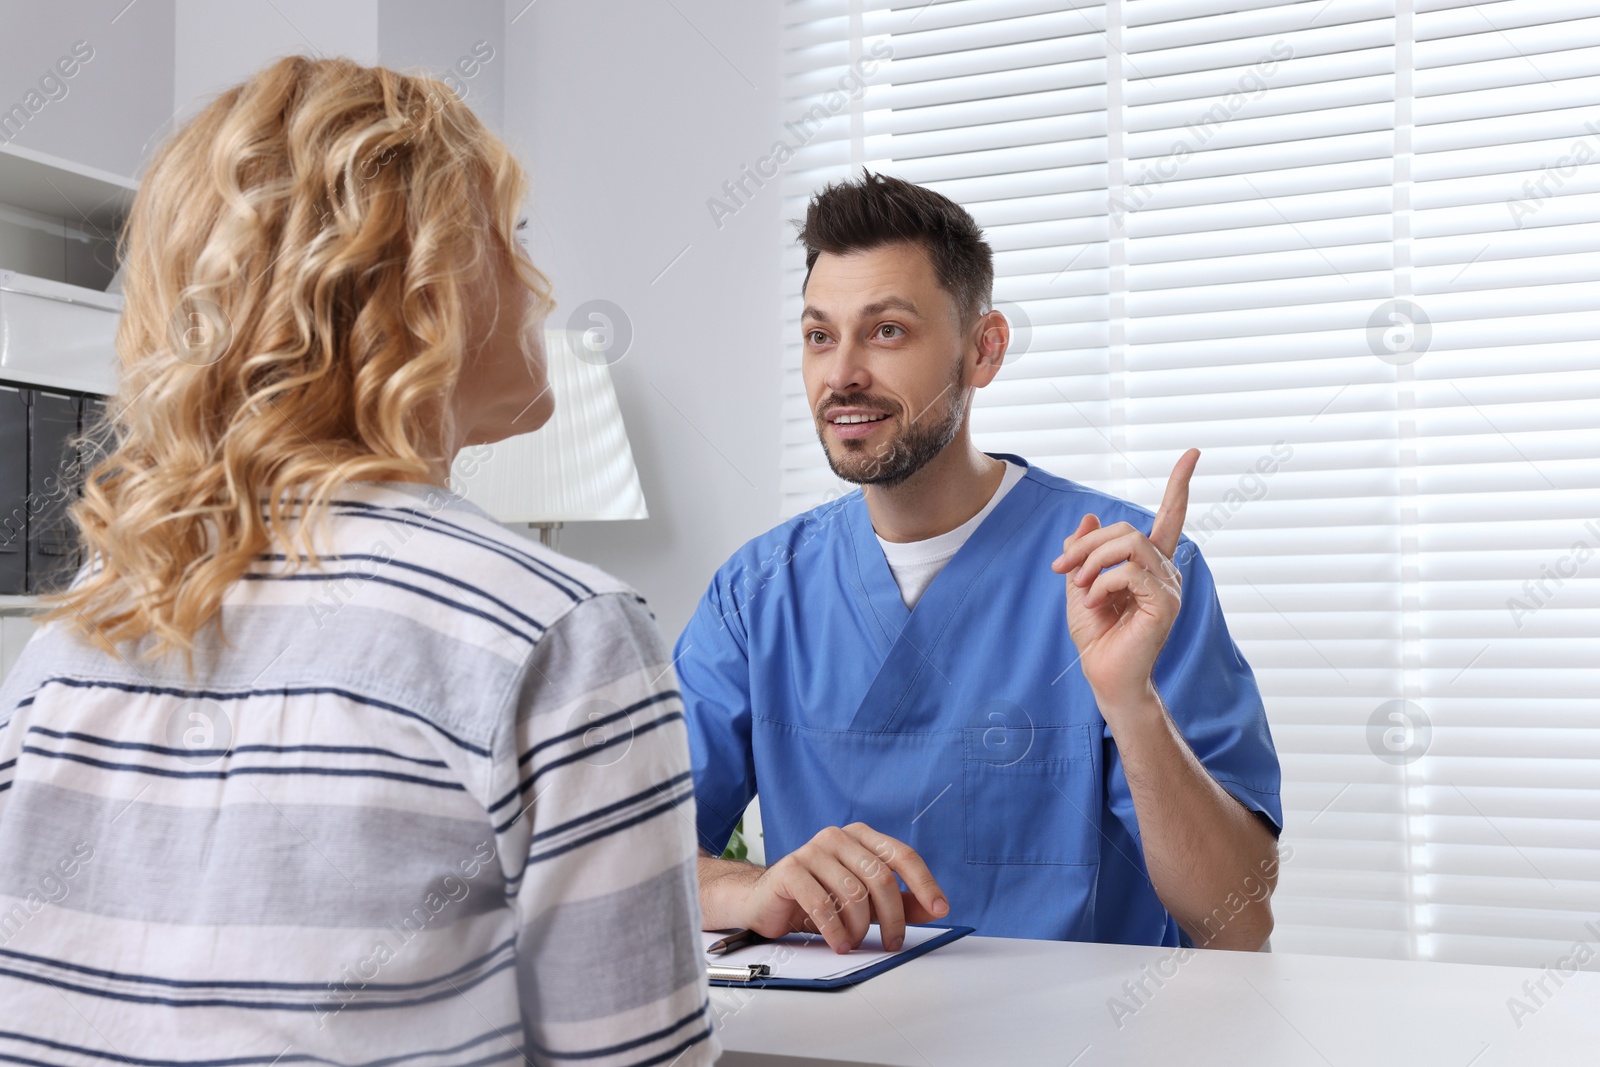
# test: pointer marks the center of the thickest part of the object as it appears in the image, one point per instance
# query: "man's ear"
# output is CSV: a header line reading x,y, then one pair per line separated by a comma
x,y
993,338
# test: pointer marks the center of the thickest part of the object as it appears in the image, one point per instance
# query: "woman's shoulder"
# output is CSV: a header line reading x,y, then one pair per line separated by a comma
x,y
411,521
420,598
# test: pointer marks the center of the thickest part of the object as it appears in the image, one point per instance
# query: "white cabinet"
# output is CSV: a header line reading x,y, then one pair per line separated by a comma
x,y
57,335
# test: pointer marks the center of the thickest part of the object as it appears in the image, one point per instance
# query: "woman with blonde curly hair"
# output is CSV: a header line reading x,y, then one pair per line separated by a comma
x,y
314,760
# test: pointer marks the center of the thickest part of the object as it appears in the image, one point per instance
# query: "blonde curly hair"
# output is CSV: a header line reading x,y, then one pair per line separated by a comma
x,y
299,264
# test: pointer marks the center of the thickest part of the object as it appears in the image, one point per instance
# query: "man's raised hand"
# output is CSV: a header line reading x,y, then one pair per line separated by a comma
x,y
1119,615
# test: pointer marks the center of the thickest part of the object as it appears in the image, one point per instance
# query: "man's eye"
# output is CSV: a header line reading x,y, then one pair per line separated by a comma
x,y
817,337
888,330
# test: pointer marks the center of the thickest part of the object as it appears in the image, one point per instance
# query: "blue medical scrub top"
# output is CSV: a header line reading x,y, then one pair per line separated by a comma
x,y
963,727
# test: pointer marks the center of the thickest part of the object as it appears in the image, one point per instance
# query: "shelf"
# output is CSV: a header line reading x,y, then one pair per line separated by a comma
x,y
63,189
18,605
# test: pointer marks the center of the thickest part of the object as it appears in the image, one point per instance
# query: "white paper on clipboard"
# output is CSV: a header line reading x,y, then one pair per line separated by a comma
x,y
808,957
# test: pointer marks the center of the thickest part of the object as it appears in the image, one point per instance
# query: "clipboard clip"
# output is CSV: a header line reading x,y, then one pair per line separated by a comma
x,y
743,972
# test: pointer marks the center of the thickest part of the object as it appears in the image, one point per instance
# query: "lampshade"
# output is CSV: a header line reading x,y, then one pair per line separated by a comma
x,y
577,468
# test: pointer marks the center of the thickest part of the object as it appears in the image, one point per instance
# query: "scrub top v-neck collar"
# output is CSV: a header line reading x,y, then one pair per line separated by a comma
x,y
915,564
917,633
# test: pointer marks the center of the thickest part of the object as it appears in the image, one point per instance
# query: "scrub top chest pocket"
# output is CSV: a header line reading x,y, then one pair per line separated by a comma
x,y
1032,794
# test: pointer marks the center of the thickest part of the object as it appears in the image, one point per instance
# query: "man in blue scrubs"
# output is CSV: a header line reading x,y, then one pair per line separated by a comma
x,y
903,678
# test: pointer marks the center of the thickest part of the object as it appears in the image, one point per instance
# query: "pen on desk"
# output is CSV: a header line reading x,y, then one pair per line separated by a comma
x,y
737,939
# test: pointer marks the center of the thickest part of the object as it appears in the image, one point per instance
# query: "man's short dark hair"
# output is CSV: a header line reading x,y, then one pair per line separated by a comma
x,y
876,210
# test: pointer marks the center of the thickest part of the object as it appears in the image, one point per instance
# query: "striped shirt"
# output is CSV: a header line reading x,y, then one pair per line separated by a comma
x,y
426,805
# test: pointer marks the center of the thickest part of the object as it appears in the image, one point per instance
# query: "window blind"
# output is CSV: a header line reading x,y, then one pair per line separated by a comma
x,y
1348,249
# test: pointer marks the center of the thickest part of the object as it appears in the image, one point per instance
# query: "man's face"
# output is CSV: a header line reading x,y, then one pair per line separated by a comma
x,y
887,364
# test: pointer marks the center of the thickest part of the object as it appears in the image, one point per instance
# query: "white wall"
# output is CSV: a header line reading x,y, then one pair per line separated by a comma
x,y
631,114
119,100
219,45
463,43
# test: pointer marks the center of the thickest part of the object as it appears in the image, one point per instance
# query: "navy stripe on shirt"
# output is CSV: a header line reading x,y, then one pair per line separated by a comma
x,y
627,1046
245,694
643,816
578,731
664,789
289,1057
476,538
335,576
390,561
350,750
556,579
237,772
583,753
460,972
321,1006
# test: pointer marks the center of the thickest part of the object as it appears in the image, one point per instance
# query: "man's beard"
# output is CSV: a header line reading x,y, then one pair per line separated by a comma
x,y
887,466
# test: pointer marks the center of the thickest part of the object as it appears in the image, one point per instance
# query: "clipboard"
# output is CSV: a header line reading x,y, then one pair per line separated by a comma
x,y
813,965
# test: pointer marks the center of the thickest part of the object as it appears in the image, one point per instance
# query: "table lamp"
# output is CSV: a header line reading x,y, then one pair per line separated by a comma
x,y
578,467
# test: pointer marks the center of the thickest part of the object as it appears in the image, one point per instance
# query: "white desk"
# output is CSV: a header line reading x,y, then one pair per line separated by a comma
x,y
996,1001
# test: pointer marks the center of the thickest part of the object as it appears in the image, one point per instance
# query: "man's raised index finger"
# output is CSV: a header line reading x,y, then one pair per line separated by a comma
x,y
1168,525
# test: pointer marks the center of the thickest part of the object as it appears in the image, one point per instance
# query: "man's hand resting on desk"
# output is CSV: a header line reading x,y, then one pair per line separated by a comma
x,y
837,884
